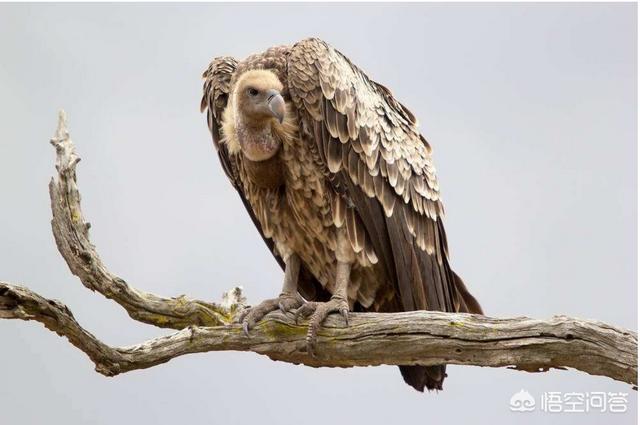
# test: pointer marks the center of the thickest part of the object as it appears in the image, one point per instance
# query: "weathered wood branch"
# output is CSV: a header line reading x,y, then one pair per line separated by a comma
x,y
71,233
420,337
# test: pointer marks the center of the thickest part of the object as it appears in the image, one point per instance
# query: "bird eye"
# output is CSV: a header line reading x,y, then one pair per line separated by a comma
x,y
252,92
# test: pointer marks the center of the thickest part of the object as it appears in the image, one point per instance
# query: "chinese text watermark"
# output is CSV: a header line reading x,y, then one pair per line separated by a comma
x,y
569,402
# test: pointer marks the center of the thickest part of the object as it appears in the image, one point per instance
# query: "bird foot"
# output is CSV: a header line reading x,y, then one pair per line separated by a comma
x,y
318,311
252,315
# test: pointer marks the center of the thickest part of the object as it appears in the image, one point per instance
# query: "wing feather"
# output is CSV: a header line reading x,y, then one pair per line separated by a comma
x,y
382,159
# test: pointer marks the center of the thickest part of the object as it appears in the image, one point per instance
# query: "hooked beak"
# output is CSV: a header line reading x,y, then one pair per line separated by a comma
x,y
276,105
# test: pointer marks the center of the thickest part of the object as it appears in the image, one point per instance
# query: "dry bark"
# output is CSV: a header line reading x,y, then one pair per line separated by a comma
x,y
419,337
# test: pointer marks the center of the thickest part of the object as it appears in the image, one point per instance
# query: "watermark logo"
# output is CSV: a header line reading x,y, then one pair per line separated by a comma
x,y
571,402
522,401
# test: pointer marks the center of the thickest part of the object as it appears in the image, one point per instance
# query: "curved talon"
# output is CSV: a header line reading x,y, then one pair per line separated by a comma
x,y
242,315
287,303
344,312
250,316
319,312
305,310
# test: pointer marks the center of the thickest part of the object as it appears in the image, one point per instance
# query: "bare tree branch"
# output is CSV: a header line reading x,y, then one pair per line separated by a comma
x,y
71,233
419,337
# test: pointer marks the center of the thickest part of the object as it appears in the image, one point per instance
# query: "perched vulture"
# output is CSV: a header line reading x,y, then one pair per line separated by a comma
x,y
339,183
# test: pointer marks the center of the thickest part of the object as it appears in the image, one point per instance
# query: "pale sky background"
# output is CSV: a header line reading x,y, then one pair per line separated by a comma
x,y
531,110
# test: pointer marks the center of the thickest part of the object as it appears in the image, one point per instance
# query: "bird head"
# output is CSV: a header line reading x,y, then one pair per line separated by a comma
x,y
258,98
258,108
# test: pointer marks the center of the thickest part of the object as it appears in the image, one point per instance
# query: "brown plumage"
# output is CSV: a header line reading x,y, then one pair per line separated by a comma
x,y
340,184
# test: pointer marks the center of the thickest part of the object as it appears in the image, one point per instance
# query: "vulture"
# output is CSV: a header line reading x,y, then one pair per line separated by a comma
x,y
340,184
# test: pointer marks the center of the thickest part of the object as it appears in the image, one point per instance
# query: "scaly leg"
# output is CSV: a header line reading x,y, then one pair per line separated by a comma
x,y
288,299
320,310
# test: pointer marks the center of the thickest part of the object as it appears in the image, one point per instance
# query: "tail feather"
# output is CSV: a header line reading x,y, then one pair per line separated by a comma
x,y
421,377
418,280
432,377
